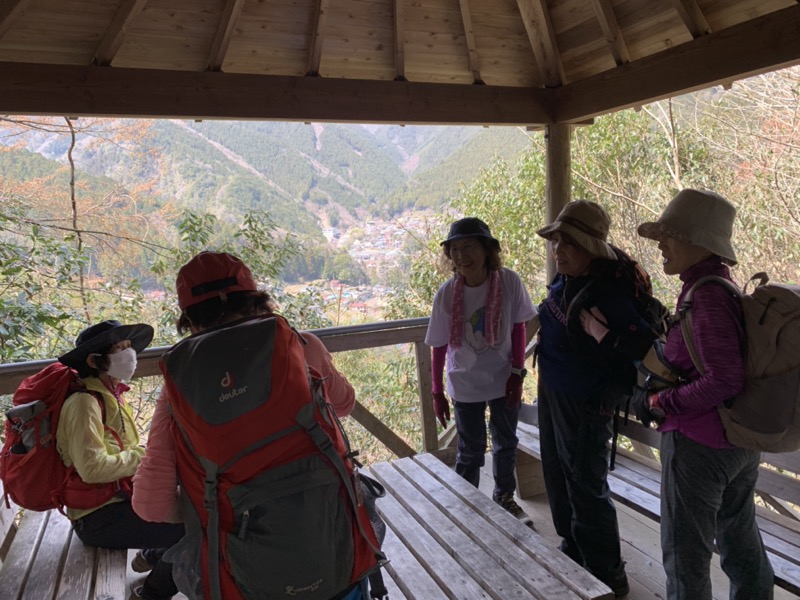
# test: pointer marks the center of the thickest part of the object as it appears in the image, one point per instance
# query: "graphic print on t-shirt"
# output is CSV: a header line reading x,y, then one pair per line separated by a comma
x,y
475,331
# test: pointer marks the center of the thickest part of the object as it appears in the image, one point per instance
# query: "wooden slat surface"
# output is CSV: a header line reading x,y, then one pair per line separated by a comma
x,y
43,575
447,539
635,482
46,561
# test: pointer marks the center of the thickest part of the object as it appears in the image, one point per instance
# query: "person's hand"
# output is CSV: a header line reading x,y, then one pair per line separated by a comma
x,y
513,391
594,323
441,408
640,404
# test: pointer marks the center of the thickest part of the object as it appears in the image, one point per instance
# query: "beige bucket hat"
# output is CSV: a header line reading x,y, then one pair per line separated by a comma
x,y
585,222
699,218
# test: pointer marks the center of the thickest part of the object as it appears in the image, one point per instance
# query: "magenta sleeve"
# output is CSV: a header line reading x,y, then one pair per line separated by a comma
x,y
518,345
437,368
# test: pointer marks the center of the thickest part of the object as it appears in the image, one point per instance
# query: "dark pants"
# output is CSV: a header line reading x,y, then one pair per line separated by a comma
x,y
707,494
471,450
574,446
117,526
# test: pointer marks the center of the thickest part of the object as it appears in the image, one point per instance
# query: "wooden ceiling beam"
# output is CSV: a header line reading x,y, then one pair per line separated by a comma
x,y
9,11
764,44
399,40
542,37
222,39
116,32
610,26
469,37
692,17
317,37
38,89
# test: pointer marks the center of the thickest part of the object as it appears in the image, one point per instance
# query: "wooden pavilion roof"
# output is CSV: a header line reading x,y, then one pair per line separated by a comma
x,y
528,62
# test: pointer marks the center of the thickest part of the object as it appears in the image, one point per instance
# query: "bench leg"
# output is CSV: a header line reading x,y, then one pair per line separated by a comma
x,y
530,479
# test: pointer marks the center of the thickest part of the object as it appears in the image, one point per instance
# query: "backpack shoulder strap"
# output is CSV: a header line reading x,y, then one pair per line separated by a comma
x,y
685,313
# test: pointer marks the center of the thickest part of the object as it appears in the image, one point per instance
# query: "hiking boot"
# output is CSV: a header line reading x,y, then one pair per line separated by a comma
x,y
508,503
618,584
140,564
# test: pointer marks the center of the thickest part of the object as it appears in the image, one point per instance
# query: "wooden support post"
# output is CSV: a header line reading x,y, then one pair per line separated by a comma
x,y
530,477
430,439
558,183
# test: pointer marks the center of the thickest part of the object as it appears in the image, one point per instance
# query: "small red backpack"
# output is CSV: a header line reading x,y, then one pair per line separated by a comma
x,y
33,474
271,501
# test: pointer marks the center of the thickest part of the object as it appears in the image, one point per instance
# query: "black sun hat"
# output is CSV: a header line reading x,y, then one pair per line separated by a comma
x,y
469,227
98,337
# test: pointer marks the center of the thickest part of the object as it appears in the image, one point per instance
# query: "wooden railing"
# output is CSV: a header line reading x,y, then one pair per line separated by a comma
x,y
336,339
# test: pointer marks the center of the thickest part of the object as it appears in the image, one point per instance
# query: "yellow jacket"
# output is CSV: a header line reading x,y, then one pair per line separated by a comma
x,y
82,440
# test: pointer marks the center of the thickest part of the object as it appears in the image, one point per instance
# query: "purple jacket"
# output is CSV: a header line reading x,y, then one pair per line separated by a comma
x,y
718,337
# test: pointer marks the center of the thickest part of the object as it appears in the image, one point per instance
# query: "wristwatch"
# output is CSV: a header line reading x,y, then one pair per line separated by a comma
x,y
521,372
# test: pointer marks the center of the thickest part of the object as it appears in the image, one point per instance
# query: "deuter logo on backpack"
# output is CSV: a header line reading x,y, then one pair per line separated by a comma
x,y
227,384
766,414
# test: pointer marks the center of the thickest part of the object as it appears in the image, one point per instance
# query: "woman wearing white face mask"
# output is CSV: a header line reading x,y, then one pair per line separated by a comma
x,y
96,434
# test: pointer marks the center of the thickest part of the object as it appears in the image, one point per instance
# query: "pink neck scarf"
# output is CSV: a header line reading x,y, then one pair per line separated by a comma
x,y
494,304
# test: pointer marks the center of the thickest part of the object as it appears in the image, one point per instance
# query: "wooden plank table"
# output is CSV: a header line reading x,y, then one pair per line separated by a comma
x,y
446,539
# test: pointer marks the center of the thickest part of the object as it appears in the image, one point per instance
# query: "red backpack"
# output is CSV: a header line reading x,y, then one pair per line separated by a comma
x,y
33,474
270,495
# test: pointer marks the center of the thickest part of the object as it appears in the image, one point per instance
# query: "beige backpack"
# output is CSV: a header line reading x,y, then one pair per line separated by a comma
x,y
766,414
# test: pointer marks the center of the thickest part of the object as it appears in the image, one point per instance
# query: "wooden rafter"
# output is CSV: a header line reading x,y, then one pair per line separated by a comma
x,y
116,32
764,44
222,39
37,89
608,23
317,37
469,37
692,17
399,40
542,38
10,10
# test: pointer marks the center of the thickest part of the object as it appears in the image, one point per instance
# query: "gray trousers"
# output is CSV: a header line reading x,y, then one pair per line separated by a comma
x,y
707,494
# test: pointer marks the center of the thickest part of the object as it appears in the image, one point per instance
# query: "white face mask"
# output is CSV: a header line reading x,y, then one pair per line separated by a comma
x,y
122,364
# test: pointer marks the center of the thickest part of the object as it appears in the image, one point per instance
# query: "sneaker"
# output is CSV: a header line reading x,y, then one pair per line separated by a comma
x,y
140,564
508,503
136,591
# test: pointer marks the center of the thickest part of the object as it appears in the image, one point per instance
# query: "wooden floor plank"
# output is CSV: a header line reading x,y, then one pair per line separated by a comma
x,y
558,564
76,577
16,567
450,577
491,575
407,573
46,565
392,587
532,574
110,579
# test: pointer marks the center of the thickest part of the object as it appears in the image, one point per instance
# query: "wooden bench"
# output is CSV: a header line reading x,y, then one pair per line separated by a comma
x,y
42,559
636,480
447,540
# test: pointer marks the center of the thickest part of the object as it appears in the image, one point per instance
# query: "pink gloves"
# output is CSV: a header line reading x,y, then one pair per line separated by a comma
x,y
441,408
594,323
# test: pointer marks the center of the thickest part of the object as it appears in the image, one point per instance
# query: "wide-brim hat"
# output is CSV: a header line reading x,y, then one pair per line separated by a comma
x,y
699,218
97,338
585,222
469,227
212,275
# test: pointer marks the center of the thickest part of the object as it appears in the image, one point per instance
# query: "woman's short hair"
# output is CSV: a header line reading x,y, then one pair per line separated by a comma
x,y
101,360
214,311
493,260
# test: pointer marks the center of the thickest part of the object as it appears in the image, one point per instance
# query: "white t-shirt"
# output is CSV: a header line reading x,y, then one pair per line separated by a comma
x,y
475,371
